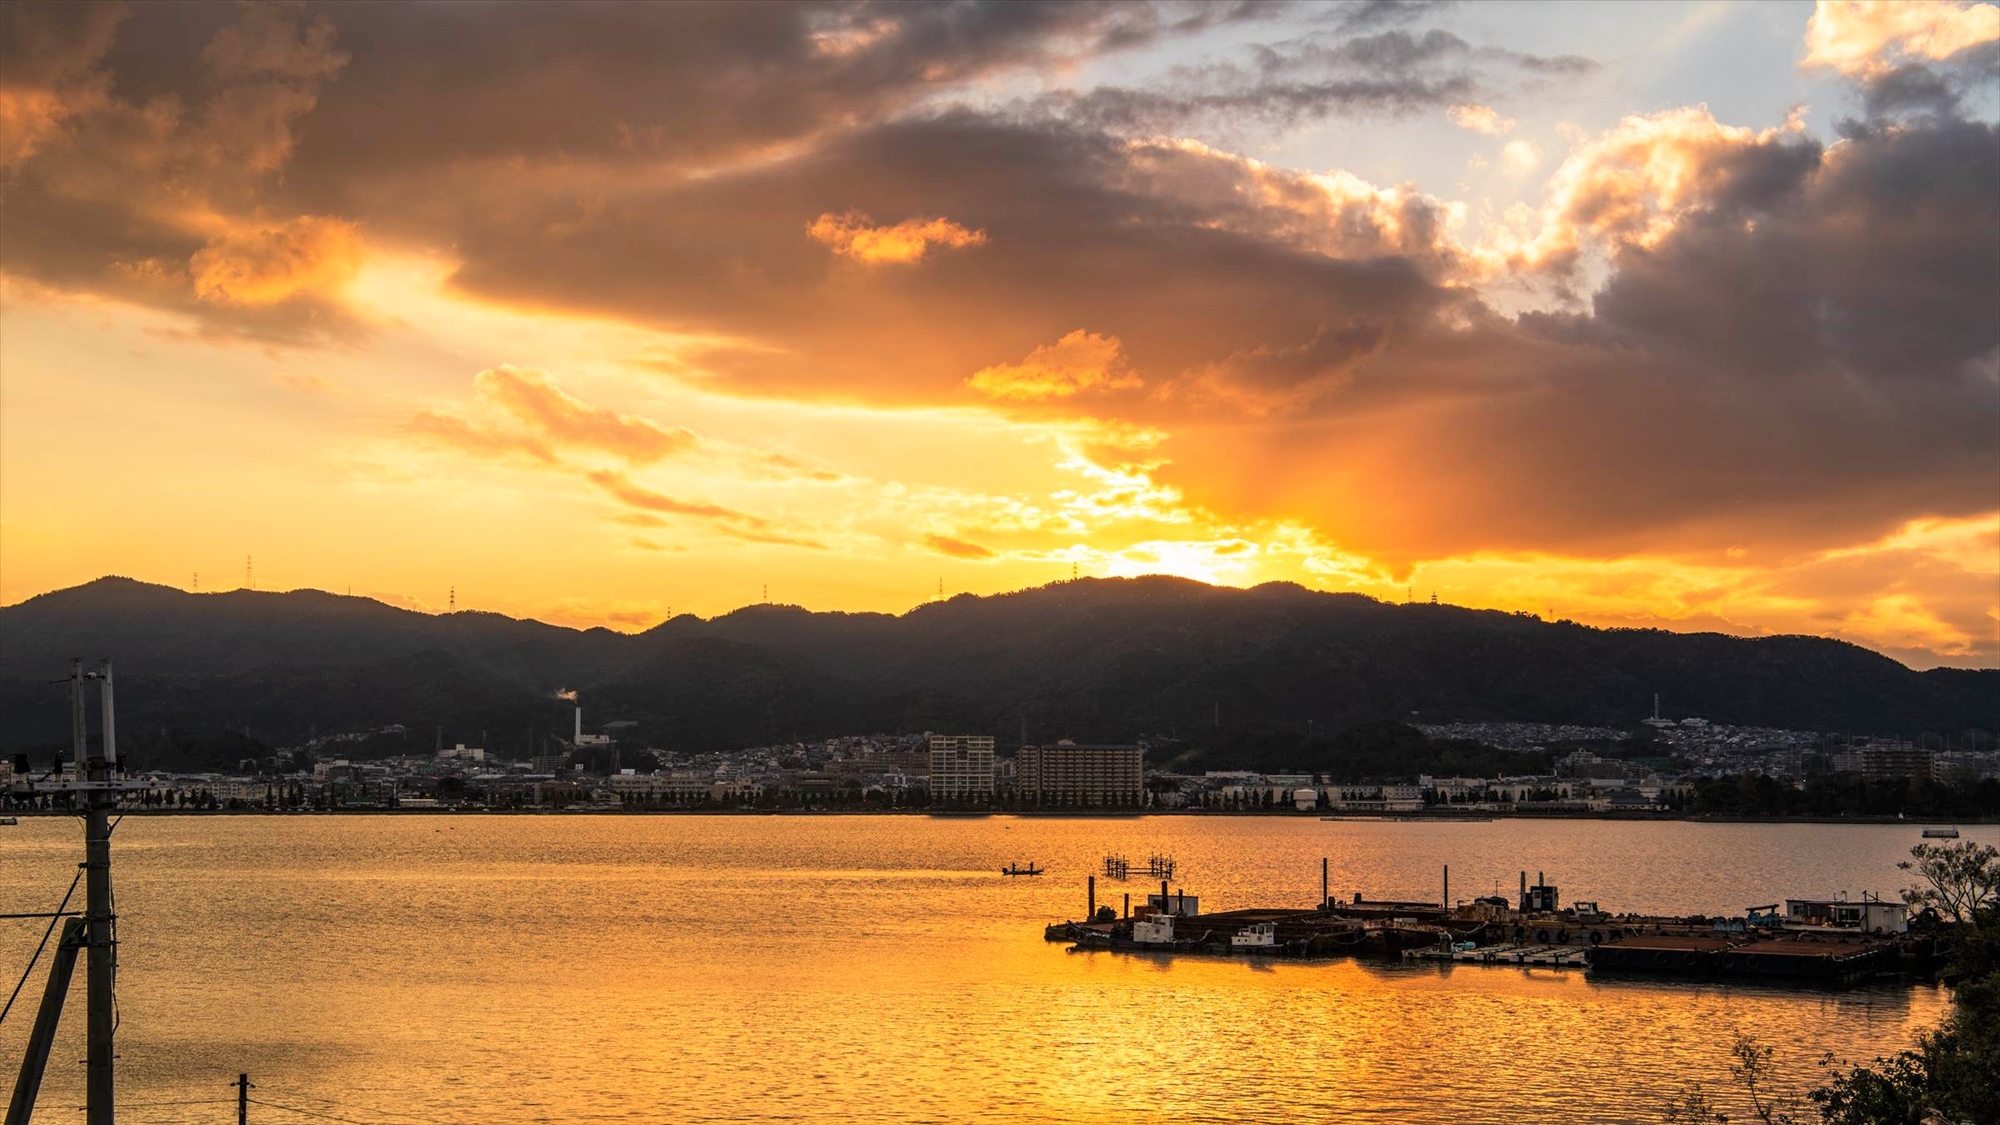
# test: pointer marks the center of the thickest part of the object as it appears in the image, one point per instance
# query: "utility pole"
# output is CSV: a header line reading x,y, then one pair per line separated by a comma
x,y
96,932
242,1085
101,968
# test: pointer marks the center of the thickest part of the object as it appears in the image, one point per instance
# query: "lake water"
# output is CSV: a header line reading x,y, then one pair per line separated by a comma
x,y
476,969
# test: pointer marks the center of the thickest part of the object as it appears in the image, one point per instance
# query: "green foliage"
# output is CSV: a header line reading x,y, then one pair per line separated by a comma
x,y
1842,794
1961,880
1955,1070
1895,1090
1365,752
1693,1106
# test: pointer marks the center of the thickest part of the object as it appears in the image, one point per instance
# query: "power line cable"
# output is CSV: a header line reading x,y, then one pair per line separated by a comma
x,y
53,919
306,1112
123,1106
346,1105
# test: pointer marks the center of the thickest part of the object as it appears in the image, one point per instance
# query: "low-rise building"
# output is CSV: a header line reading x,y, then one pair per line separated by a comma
x,y
1891,762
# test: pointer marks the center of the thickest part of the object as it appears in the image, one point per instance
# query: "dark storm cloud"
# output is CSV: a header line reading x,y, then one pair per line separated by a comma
x,y
1268,103
1934,89
731,254
1810,359
43,44
150,191
140,135
1390,74
683,82
1807,356
1557,66
1370,15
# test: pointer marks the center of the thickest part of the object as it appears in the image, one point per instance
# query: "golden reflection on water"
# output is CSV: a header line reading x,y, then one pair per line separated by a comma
x,y
468,969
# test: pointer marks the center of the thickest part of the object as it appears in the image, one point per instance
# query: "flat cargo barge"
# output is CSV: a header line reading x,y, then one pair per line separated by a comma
x,y
1810,940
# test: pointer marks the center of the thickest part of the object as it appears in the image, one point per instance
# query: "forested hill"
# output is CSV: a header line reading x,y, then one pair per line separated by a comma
x,y
1090,659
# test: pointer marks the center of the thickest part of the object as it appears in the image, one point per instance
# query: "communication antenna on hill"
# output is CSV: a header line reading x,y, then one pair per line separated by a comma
x,y
1434,597
1072,571
940,587
197,581
453,600
767,593
249,580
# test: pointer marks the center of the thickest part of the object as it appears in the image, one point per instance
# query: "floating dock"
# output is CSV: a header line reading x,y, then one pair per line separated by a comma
x,y
1795,944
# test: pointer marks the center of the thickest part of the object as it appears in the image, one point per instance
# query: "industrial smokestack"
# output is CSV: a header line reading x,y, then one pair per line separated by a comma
x,y
577,738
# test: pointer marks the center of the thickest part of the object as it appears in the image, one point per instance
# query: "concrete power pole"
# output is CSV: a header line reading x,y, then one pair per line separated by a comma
x,y
101,967
96,931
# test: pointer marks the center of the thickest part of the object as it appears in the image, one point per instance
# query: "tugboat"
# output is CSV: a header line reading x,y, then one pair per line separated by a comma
x,y
1940,833
1259,938
1017,869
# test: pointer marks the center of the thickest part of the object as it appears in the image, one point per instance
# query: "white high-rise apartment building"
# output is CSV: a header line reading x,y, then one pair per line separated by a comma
x,y
961,767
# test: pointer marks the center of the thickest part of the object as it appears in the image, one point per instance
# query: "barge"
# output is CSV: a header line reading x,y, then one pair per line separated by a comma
x,y
1816,940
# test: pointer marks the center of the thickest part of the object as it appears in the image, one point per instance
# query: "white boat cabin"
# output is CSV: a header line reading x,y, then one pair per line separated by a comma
x,y
1263,935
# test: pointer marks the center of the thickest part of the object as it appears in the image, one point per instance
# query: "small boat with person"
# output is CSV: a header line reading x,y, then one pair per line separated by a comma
x,y
1019,869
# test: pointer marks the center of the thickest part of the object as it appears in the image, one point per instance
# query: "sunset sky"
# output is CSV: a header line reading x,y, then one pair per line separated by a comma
x,y
1677,315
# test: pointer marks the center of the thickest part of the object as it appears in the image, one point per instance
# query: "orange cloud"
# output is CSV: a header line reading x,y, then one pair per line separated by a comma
x,y
1865,38
1636,181
1479,119
1081,361
728,521
638,519
457,433
956,548
852,236
266,265
534,398
29,118
1519,158
309,383
627,492
540,416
